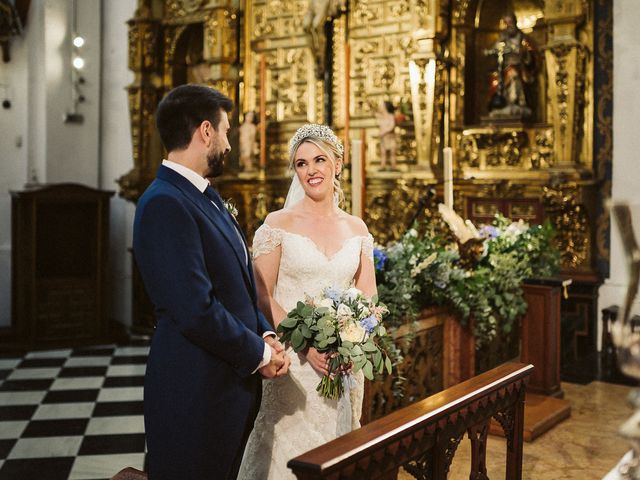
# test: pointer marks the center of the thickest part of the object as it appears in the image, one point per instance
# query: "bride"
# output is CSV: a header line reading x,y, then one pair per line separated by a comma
x,y
308,245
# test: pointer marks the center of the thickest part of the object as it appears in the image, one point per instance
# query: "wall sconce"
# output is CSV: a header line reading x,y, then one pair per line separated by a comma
x,y
6,102
77,63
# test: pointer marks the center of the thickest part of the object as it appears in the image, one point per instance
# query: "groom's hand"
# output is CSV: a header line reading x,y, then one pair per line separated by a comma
x,y
278,366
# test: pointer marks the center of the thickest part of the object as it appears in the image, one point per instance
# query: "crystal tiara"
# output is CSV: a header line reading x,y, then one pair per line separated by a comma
x,y
313,130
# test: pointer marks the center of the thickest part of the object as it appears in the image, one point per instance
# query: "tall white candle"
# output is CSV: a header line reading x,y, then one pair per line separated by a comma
x,y
356,178
448,176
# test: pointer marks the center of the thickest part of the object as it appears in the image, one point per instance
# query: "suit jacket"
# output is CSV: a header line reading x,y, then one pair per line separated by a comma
x,y
199,388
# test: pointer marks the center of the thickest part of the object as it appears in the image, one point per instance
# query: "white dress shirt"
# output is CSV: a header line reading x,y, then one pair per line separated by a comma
x,y
201,184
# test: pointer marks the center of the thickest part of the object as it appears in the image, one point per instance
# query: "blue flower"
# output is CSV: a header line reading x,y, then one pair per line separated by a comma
x,y
369,323
379,258
489,231
332,293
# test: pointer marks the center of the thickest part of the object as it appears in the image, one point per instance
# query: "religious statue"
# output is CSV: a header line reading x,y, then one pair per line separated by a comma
x,y
387,124
248,146
517,59
318,12
10,26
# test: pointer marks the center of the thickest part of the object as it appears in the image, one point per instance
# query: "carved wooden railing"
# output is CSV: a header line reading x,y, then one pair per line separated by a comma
x,y
423,437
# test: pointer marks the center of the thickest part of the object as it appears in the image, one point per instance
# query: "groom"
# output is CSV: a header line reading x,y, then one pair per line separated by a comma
x,y
211,344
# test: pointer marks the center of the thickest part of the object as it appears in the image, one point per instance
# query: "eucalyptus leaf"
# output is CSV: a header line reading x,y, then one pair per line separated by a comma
x,y
288,322
297,340
368,370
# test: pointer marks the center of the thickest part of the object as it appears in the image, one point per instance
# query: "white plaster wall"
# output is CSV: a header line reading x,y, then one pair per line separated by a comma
x,y
35,141
13,157
116,149
72,150
626,140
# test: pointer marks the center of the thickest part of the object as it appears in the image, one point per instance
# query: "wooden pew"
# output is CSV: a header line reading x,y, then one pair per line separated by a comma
x,y
423,437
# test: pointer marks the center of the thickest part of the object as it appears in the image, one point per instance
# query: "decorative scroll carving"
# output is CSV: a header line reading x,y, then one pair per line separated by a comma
x,y
603,128
391,208
569,217
542,150
508,147
506,419
561,53
460,9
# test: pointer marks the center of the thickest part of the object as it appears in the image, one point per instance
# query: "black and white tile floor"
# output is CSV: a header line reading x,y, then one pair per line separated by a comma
x,y
72,414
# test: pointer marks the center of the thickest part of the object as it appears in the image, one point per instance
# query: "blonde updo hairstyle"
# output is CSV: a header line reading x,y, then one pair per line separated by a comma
x,y
328,143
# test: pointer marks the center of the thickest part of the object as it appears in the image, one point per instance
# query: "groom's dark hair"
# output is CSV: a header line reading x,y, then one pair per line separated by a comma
x,y
183,109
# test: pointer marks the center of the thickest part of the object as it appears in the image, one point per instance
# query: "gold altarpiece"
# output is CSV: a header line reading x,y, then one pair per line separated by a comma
x,y
425,56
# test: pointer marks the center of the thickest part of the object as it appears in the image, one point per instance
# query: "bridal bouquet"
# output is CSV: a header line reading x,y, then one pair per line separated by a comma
x,y
345,324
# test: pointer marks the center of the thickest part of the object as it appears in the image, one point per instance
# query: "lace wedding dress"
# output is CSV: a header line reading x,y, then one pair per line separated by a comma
x,y
293,417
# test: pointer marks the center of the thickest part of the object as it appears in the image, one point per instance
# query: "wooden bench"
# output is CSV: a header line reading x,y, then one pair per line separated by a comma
x,y
423,437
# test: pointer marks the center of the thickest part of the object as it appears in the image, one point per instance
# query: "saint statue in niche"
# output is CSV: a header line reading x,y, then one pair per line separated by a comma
x,y
387,124
517,64
247,140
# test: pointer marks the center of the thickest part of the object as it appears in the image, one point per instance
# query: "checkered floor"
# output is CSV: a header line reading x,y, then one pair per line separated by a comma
x,y
74,413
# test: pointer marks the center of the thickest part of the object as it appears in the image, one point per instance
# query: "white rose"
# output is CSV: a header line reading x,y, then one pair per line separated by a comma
x,y
352,293
353,332
326,302
344,312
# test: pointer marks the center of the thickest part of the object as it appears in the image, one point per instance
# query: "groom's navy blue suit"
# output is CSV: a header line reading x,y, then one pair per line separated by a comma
x,y
200,395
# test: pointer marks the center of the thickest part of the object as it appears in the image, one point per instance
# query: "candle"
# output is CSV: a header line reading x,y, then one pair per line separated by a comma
x,y
263,112
347,94
448,177
356,178
363,170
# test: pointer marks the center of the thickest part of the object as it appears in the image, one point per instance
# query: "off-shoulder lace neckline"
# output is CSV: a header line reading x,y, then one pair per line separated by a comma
x,y
315,245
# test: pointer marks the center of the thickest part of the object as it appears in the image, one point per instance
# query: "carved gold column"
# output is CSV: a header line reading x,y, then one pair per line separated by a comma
x,y
220,49
144,94
565,60
422,75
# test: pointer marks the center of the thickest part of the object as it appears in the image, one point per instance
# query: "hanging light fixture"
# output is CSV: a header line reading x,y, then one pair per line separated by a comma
x,y
78,63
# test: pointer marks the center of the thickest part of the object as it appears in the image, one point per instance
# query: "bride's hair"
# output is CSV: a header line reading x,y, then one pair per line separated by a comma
x,y
332,151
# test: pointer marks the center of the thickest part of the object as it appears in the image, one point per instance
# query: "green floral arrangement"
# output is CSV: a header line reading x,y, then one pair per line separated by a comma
x,y
427,267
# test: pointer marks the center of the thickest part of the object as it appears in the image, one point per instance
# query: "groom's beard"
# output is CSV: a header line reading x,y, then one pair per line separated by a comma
x,y
215,164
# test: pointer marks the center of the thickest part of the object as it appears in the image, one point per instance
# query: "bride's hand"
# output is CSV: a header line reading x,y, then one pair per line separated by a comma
x,y
319,361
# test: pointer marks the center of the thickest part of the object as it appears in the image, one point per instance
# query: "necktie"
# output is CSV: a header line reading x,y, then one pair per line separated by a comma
x,y
212,195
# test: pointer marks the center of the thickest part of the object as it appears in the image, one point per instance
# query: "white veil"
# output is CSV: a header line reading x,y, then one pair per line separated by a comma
x,y
295,193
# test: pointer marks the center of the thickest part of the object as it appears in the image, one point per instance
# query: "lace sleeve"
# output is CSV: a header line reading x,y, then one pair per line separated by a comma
x,y
367,246
266,240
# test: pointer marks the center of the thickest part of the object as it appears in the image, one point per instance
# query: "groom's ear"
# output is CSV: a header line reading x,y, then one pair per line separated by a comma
x,y
205,131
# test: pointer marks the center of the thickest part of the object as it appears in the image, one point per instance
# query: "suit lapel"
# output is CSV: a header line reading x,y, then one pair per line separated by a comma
x,y
216,217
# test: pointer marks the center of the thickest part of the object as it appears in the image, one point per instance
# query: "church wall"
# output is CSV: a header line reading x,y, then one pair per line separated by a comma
x,y
38,145
116,149
13,157
626,141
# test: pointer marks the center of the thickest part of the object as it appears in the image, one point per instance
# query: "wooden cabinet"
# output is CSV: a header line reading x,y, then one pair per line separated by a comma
x,y
60,245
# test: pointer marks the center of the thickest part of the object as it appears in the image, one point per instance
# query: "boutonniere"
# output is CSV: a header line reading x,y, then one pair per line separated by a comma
x,y
231,208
